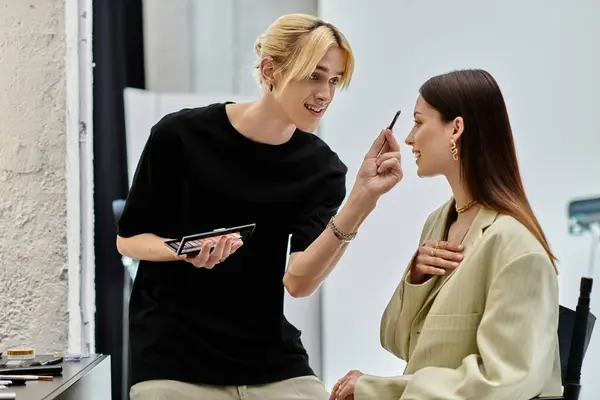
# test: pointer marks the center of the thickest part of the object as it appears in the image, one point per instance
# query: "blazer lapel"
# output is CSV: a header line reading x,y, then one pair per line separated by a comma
x,y
482,221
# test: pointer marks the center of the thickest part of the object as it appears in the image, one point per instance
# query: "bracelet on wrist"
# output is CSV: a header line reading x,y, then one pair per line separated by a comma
x,y
343,236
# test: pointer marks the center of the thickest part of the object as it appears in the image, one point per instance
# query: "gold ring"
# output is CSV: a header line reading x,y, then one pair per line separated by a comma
x,y
437,244
433,252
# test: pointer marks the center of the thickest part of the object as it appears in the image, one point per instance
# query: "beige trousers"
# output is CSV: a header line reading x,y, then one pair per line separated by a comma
x,y
301,388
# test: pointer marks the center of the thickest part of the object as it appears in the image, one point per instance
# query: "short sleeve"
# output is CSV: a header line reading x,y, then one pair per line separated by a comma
x,y
153,177
312,222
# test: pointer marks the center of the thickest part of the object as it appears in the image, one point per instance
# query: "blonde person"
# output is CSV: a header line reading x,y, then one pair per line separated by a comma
x,y
212,326
476,313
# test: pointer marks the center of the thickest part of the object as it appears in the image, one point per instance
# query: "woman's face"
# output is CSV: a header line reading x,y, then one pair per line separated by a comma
x,y
430,139
305,101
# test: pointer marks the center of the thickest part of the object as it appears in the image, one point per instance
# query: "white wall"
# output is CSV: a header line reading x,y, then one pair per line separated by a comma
x,y
44,193
545,56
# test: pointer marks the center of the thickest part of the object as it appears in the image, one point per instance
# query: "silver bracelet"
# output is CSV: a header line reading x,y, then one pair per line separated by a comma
x,y
344,237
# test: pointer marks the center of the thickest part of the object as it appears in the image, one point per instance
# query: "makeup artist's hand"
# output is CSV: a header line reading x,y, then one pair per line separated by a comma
x,y
435,258
226,245
380,171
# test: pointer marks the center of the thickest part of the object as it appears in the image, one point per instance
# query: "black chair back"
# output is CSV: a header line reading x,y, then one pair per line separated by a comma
x,y
574,333
117,207
566,322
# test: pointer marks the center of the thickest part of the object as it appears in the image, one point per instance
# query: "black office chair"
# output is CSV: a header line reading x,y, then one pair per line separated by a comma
x,y
575,327
117,207
129,271
129,264
574,333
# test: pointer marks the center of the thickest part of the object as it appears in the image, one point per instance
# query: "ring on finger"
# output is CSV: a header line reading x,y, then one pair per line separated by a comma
x,y
437,245
433,252
336,389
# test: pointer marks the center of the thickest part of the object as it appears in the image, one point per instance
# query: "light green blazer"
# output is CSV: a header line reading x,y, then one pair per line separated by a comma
x,y
486,331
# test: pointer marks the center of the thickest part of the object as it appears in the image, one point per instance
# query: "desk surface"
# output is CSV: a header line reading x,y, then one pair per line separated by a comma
x,y
72,372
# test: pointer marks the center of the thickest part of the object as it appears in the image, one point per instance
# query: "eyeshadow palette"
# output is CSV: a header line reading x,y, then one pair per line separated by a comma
x,y
193,243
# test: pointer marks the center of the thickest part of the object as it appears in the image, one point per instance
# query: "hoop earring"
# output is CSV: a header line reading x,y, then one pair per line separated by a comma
x,y
271,87
453,150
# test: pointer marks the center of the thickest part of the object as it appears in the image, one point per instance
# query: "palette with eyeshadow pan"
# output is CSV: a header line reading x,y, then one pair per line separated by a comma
x,y
193,243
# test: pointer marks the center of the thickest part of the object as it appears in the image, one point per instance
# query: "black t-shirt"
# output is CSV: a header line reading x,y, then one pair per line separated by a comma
x,y
224,326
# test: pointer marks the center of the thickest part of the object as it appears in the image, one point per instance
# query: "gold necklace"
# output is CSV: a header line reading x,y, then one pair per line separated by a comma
x,y
464,208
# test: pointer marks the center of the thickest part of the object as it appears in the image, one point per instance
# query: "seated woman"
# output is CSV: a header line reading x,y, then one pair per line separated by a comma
x,y
476,313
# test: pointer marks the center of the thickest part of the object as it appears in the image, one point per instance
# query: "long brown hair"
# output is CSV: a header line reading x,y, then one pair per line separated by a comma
x,y
488,159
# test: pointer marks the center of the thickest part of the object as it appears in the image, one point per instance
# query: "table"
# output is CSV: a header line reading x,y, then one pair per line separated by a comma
x,y
86,379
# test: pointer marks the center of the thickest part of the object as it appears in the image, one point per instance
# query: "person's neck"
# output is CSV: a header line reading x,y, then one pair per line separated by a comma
x,y
461,196
262,121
